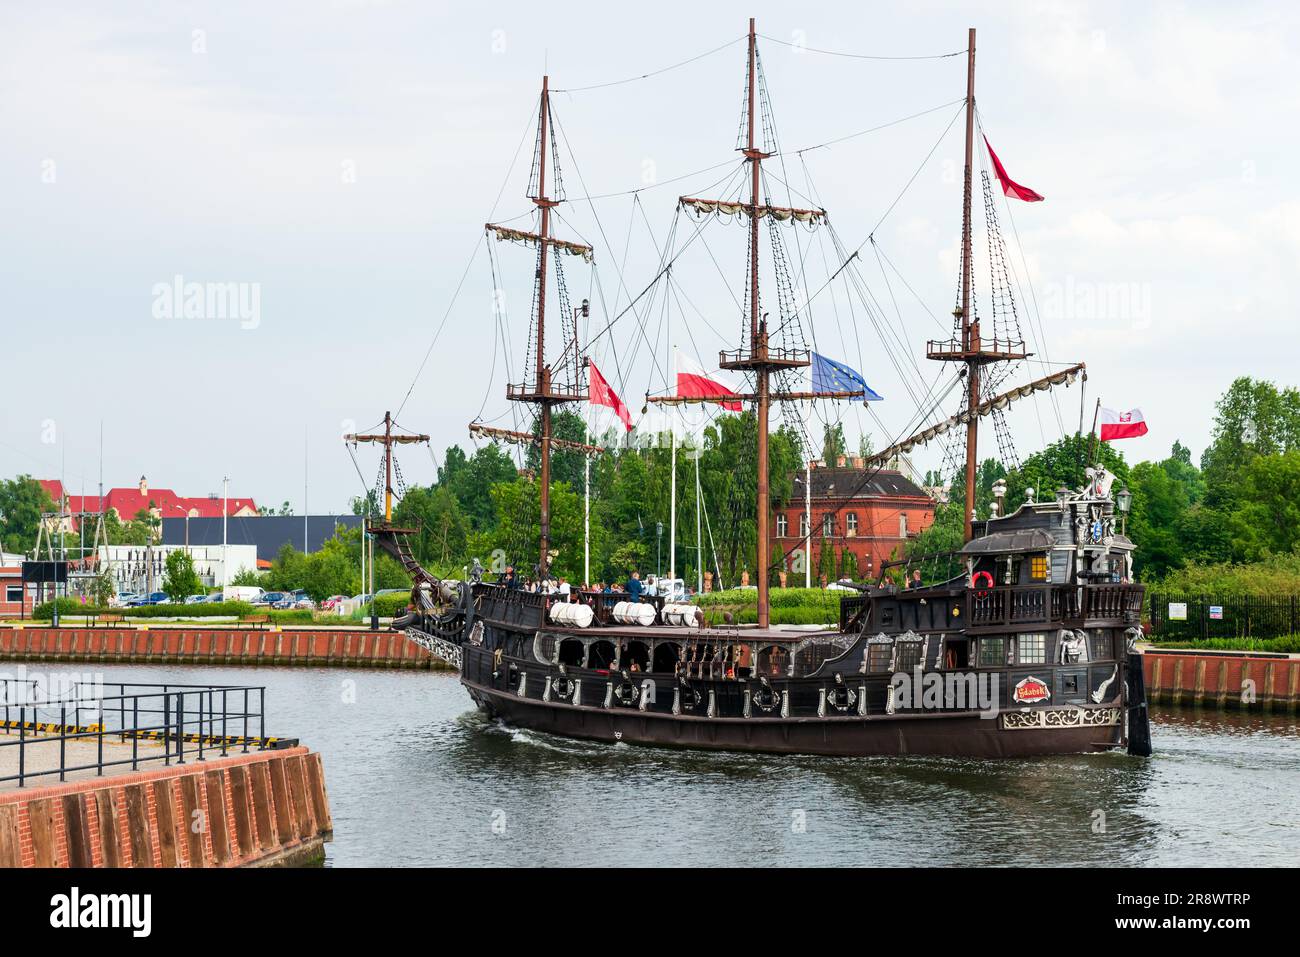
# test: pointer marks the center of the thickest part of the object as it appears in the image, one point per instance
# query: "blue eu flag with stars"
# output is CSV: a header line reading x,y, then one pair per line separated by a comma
x,y
831,376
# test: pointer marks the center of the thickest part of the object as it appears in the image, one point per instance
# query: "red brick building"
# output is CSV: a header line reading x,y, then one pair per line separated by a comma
x,y
868,512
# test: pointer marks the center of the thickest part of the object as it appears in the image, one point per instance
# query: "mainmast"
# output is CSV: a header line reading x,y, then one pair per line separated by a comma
x,y
968,348
541,391
760,358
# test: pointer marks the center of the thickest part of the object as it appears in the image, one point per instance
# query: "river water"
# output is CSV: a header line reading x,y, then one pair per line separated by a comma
x,y
417,776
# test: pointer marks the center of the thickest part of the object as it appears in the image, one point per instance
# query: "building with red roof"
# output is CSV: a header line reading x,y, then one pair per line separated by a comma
x,y
159,502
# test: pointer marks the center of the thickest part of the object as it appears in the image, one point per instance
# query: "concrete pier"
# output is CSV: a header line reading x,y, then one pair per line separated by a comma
x,y
257,809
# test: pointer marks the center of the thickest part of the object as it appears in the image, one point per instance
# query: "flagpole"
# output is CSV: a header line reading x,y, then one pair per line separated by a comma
x,y
699,538
1092,436
586,509
807,511
672,517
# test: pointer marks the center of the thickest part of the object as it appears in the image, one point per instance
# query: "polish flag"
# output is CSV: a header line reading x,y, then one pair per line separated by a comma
x,y
1122,425
693,381
599,393
1010,186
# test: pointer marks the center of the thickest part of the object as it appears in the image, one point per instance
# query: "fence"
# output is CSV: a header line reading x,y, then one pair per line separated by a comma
x,y
1227,616
173,722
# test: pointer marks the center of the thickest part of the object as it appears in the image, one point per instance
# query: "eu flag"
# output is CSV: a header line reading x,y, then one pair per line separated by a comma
x,y
831,376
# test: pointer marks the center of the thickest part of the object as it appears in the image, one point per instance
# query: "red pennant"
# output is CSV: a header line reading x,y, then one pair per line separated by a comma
x,y
1010,186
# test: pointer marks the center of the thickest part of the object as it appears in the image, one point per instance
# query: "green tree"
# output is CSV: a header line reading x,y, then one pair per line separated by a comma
x,y
179,578
1252,418
246,578
22,500
833,445
1060,464
566,466
102,588
1267,518
826,562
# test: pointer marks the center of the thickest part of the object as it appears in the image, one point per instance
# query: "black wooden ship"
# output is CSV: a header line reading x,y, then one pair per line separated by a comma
x,y
1028,648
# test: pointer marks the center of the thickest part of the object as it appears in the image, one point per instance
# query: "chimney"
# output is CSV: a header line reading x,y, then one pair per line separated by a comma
x,y
144,486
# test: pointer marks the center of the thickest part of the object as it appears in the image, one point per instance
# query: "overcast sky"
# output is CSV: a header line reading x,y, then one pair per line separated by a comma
x,y
340,159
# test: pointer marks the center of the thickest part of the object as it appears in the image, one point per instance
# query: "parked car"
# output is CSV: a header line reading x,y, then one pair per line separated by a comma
x,y
305,604
153,598
330,603
124,599
195,599
271,598
215,597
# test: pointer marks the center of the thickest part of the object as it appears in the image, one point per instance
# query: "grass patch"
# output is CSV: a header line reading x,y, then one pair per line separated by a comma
x,y
1289,644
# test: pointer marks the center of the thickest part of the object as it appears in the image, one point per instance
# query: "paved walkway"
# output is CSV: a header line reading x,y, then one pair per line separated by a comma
x,y
42,754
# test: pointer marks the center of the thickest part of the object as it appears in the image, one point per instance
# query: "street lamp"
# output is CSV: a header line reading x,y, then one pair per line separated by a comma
x,y
1062,496
1123,502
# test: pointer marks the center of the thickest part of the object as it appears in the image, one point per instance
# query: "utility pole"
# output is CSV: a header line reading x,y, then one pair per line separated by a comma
x,y
225,552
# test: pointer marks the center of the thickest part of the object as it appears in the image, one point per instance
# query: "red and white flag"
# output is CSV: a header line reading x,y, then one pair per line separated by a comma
x,y
1121,425
694,382
599,393
1010,186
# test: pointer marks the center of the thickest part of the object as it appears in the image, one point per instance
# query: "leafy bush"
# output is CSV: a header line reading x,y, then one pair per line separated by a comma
x,y
1276,575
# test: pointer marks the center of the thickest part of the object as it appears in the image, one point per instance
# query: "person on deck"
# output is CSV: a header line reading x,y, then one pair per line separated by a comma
x,y
916,579
512,580
635,587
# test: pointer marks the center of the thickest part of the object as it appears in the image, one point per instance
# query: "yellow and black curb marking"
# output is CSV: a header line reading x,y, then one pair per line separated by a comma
x,y
214,741
47,727
231,740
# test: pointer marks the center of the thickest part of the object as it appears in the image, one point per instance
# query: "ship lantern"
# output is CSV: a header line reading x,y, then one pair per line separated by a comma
x,y
1062,496
1124,499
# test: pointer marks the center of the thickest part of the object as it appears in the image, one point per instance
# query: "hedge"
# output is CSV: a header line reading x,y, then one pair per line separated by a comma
x,y
789,606
72,607
776,597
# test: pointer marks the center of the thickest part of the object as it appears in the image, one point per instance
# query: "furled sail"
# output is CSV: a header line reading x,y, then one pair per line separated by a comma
x,y
506,234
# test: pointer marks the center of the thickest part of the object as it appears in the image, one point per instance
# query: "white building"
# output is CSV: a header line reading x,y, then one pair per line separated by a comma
x,y
141,568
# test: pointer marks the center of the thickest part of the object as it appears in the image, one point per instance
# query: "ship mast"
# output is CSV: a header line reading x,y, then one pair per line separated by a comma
x,y
968,347
760,359
387,439
758,339
541,391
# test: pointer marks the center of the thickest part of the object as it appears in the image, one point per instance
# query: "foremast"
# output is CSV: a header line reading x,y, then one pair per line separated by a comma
x,y
387,439
540,390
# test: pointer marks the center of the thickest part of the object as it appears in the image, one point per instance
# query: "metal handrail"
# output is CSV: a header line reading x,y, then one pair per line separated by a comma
x,y
167,712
